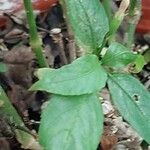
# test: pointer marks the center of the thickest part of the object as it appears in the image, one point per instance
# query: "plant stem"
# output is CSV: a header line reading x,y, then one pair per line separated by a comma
x,y
117,19
130,34
134,15
35,41
8,111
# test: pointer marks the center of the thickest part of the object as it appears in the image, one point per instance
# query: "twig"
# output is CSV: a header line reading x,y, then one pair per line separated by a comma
x,y
57,37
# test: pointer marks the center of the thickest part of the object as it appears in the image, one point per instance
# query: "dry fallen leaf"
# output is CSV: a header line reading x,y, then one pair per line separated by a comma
x,y
108,139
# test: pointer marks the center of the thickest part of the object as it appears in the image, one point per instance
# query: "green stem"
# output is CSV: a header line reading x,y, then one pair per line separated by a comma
x,y
35,41
130,34
8,111
117,19
134,15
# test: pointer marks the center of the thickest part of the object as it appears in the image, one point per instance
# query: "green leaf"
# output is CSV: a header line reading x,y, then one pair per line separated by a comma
x,y
9,112
7,107
84,75
89,23
138,64
71,123
118,56
133,102
3,67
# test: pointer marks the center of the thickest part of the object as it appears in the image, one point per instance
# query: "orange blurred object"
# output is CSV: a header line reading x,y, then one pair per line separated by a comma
x,y
43,5
144,23
9,6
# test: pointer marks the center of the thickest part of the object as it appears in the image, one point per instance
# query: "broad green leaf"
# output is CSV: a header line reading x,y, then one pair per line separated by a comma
x,y
133,102
71,123
88,21
118,56
84,75
7,110
3,67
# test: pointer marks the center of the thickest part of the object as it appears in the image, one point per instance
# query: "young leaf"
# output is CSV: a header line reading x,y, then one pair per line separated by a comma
x,y
118,56
89,23
133,102
84,75
71,123
138,64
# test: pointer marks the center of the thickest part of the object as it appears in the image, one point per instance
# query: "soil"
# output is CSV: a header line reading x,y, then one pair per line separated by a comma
x,y
59,49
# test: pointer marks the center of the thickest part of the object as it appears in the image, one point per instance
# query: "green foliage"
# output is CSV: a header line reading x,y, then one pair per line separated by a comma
x,y
73,118
7,110
133,102
118,56
71,123
89,23
139,64
85,75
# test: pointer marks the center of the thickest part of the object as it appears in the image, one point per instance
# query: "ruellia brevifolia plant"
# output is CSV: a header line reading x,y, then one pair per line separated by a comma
x,y
73,117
